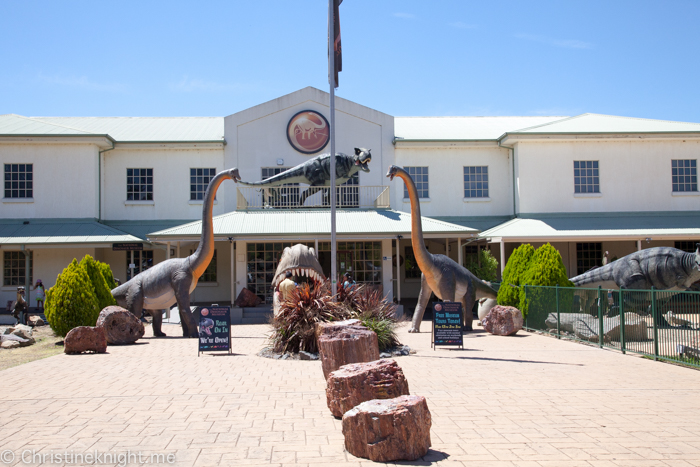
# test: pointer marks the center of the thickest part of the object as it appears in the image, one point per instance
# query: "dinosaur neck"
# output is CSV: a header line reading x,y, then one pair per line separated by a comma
x,y
422,256
200,259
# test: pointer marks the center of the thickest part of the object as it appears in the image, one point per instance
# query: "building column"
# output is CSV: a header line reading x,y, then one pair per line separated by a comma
x,y
459,252
398,270
167,250
639,245
503,257
233,271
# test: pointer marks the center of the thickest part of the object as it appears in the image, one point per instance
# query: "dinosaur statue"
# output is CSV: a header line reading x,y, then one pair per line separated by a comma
x,y
301,261
174,280
316,172
19,306
664,268
439,273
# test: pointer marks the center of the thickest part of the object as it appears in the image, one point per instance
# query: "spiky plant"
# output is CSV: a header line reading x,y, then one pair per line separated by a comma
x,y
295,324
375,313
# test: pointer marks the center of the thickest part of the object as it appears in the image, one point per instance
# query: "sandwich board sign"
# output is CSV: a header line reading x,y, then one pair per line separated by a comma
x,y
214,329
447,324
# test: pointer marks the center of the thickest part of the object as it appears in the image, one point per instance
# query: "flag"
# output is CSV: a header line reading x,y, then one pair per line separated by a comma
x,y
337,49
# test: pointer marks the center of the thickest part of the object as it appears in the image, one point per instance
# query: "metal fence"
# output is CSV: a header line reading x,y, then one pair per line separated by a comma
x,y
302,197
659,324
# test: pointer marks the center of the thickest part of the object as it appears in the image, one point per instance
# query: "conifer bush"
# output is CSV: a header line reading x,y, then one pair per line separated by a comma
x,y
99,283
518,263
107,274
72,301
545,269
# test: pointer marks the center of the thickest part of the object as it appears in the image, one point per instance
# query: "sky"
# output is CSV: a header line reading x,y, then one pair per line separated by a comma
x,y
401,57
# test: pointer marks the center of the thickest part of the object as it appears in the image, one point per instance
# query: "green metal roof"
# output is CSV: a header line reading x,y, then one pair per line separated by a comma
x,y
597,123
142,228
281,223
475,222
591,226
59,231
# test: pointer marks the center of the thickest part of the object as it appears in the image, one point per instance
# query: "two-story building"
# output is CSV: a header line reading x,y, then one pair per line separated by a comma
x,y
129,191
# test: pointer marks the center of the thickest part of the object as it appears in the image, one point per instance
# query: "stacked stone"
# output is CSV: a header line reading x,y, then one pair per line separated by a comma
x,y
381,421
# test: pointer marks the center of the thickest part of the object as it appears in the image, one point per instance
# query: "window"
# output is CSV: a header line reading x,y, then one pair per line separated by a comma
x,y
142,260
684,175
19,181
476,182
209,274
586,177
14,268
285,196
199,181
689,246
139,184
411,269
588,256
420,178
363,260
262,261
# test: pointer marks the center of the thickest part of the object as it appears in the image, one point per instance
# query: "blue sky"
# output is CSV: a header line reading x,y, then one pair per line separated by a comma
x,y
404,58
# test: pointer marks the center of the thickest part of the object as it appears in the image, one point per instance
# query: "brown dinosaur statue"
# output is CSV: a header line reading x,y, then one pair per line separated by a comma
x,y
174,279
439,274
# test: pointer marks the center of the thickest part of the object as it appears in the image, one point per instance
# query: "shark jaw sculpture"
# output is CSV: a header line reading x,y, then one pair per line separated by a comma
x,y
301,261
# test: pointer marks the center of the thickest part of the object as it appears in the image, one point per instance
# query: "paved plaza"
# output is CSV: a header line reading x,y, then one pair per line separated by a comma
x,y
528,400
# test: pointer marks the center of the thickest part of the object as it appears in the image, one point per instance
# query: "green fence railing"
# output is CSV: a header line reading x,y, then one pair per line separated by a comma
x,y
660,324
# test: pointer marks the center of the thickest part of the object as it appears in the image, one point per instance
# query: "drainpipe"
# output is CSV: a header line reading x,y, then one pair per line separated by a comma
x,y
99,181
512,162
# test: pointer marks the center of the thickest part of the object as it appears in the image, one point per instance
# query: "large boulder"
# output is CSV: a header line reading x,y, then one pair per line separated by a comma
x,y
503,320
21,330
340,344
120,325
388,430
586,327
360,382
247,299
36,321
85,339
7,344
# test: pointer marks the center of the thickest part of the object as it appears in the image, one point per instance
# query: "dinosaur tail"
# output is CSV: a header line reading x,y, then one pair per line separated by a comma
x,y
289,176
601,274
484,289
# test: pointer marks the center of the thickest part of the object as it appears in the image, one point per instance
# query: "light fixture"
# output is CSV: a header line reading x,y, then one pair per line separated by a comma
x,y
280,161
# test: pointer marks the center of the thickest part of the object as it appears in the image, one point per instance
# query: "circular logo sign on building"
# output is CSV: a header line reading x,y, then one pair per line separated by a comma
x,y
308,131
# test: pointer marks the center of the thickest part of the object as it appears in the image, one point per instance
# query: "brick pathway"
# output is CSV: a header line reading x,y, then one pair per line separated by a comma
x,y
528,400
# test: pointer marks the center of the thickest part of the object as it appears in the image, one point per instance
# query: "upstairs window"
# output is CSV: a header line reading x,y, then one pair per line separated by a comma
x,y
199,181
420,178
586,177
139,184
684,173
19,181
476,181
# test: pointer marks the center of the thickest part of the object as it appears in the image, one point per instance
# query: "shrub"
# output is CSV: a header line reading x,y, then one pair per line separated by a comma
x,y
375,313
99,283
545,269
518,263
488,270
107,274
72,301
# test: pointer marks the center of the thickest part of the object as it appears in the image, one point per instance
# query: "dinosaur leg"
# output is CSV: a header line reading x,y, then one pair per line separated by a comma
x,y
423,298
468,304
308,192
157,322
182,295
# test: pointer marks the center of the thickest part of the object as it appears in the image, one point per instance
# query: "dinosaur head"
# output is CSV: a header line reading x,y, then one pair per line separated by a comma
x,y
362,158
206,326
234,175
300,260
393,170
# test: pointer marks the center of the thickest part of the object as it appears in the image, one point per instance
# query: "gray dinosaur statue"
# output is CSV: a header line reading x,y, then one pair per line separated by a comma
x,y
316,172
174,280
664,268
439,273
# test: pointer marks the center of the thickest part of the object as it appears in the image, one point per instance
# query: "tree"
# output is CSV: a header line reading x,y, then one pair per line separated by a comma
x,y
518,263
486,267
72,301
545,269
99,283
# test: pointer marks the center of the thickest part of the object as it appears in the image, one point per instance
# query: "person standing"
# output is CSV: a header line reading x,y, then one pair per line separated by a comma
x,y
286,286
40,295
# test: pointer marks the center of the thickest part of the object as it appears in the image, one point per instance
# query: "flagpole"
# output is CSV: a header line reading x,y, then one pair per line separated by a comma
x,y
331,79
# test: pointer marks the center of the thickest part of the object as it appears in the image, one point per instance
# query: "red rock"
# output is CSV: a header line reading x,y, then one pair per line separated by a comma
x,y
361,382
247,299
389,429
85,339
340,344
120,325
503,320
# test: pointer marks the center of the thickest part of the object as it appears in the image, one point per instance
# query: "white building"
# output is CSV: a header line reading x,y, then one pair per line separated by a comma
x,y
587,184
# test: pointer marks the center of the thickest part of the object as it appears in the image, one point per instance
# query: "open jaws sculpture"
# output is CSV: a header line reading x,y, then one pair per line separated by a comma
x,y
300,260
174,280
439,273
317,172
